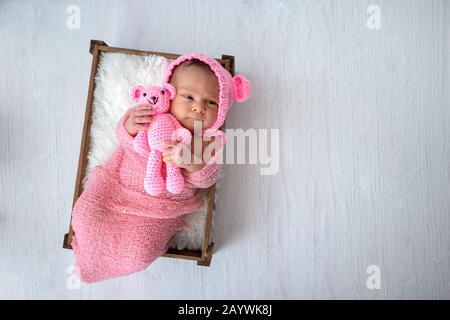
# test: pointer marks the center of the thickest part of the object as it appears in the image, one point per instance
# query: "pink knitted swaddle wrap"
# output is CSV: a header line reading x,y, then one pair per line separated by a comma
x,y
119,228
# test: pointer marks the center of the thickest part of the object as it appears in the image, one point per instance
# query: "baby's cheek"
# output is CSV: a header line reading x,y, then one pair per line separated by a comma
x,y
172,109
176,111
212,116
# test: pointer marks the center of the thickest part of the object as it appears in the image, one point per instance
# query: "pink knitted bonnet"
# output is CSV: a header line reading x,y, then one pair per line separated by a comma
x,y
231,89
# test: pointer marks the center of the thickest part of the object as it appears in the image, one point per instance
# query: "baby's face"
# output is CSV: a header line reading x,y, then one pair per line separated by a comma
x,y
197,97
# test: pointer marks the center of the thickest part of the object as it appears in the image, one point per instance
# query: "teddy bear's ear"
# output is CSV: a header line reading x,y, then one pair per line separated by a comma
x,y
135,92
170,89
241,87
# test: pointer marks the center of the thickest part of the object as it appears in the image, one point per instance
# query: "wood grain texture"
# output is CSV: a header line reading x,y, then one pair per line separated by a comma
x,y
364,173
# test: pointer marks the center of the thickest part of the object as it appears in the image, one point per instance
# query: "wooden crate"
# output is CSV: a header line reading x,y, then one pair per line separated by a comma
x,y
203,256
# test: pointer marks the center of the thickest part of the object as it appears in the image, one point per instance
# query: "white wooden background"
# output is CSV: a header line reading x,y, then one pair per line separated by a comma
x,y
364,120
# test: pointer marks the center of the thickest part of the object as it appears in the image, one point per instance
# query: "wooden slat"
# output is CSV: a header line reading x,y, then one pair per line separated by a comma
x,y
138,52
183,254
228,63
85,140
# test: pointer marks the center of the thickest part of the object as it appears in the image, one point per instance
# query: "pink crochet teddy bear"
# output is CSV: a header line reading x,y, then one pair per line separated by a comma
x,y
164,127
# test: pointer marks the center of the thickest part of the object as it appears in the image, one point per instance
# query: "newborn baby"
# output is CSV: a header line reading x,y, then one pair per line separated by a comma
x,y
118,227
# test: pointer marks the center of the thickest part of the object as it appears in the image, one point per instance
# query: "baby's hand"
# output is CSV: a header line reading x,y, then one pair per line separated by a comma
x,y
138,119
174,154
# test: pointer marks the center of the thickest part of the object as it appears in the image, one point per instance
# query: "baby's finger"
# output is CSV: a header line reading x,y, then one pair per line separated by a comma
x,y
144,112
144,107
137,108
143,119
170,143
141,127
177,160
167,159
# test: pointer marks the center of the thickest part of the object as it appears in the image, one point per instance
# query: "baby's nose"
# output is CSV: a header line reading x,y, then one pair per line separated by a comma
x,y
198,109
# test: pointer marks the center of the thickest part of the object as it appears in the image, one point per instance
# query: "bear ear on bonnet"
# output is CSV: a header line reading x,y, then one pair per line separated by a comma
x,y
170,89
241,87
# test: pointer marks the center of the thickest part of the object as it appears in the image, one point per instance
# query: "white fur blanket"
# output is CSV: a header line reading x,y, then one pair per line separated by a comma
x,y
116,74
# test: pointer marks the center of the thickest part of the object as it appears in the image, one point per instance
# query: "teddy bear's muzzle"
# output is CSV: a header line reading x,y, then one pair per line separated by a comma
x,y
153,100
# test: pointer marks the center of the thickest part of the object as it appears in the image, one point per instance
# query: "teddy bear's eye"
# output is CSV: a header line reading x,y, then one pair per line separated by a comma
x,y
162,92
144,94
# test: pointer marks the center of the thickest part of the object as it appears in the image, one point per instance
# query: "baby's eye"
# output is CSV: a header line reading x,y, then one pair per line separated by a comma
x,y
212,102
189,97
